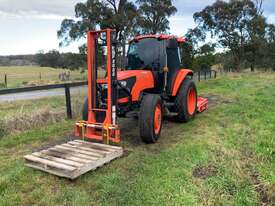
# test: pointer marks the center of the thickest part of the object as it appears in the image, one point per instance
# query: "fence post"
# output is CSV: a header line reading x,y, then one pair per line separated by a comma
x,y
40,76
215,74
210,74
205,73
6,81
199,76
68,102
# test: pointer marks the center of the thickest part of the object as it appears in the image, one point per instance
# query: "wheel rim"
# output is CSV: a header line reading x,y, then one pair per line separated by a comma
x,y
191,101
157,119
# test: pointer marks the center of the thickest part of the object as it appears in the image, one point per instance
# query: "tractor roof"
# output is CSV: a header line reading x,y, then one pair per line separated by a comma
x,y
159,36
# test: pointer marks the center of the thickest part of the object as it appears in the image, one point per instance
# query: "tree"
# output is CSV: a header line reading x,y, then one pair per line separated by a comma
x,y
270,46
193,55
254,46
228,22
187,56
259,6
116,14
154,14
72,61
50,59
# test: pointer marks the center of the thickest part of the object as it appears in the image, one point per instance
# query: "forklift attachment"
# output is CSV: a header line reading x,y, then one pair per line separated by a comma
x,y
73,159
102,118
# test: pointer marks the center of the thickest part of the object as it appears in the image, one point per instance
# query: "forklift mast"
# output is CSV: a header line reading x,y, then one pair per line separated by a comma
x,y
102,121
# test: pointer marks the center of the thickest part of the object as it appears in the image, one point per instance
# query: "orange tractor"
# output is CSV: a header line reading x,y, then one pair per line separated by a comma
x,y
152,85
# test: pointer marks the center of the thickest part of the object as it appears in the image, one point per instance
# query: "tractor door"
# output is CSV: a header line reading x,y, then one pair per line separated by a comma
x,y
173,62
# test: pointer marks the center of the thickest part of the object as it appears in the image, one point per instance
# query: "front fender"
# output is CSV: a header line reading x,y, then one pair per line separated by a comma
x,y
181,75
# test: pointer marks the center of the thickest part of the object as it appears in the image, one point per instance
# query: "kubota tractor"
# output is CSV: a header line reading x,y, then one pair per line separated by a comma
x,y
152,85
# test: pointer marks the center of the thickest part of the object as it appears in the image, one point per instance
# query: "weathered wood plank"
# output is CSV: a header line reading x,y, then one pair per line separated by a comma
x,y
99,163
54,171
78,151
92,146
82,147
69,152
100,145
58,160
65,156
49,163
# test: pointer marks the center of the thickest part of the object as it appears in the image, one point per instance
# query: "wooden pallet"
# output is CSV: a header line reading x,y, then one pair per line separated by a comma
x,y
73,159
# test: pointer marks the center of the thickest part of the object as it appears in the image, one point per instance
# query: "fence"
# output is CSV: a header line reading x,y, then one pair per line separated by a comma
x,y
66,86
205,74
13,80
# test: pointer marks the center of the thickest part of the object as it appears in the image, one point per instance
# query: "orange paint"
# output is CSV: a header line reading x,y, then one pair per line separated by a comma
x,y
157,119
179,79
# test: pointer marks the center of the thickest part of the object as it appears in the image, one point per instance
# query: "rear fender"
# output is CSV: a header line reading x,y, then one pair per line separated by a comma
x,y
182,74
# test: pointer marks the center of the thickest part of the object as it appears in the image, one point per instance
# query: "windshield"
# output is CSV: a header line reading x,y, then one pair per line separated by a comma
x,y
145,54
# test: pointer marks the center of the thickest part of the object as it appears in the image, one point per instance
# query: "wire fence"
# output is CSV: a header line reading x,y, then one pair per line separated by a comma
x,y
43,78
205,75
40,78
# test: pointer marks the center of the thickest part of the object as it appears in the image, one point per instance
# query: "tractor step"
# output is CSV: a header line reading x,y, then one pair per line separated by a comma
x,y
73,159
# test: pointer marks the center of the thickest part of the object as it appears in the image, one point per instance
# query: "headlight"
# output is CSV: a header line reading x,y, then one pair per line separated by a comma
x,y
104,86
123,83
129,82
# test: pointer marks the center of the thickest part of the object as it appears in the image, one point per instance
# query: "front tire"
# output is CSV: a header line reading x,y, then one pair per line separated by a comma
x,y
150,118
186,101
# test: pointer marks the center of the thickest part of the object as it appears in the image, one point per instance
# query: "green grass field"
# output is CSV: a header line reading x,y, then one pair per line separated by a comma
x,y
226,156
18,76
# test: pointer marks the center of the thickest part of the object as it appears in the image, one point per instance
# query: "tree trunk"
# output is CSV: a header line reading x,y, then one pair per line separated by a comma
x,y
237,59
237,64
252,68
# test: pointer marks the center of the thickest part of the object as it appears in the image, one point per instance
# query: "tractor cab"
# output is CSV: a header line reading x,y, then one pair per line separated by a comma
x,y
159,54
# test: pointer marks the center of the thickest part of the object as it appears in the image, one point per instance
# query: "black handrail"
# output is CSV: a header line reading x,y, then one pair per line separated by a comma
x,y
42,87
66,86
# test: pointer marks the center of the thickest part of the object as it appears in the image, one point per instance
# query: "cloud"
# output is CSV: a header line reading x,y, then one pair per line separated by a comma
x,y
180,24
41,9
189,7
33,14
269,7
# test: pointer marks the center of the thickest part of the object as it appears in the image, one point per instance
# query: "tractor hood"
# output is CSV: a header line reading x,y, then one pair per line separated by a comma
x,y
135,80
139,74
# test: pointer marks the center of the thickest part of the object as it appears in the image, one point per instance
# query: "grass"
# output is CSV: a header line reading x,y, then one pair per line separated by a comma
x,y
18,76
235,138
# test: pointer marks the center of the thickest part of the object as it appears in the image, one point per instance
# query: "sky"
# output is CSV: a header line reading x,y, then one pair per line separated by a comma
x,y
28,26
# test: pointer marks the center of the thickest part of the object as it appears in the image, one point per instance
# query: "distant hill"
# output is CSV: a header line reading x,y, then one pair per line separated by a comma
x,y
18,60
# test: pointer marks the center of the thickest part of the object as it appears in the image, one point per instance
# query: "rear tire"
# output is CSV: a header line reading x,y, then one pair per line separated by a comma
x,y
150,118
186,101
